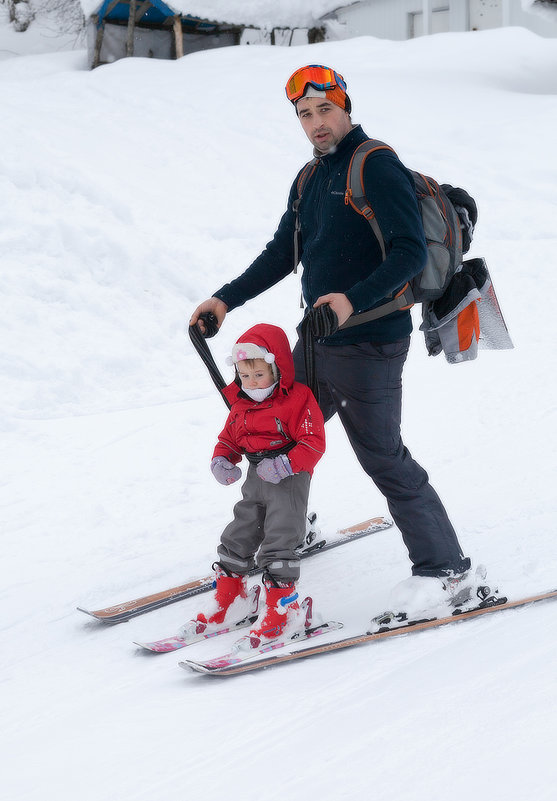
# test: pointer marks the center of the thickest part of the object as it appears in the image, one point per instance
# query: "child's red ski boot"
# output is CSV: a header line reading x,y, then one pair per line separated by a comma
x,y
230,590
280,614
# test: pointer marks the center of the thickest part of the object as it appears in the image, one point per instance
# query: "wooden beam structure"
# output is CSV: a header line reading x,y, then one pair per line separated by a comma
x,y
178,36
98,43
131,27
142,9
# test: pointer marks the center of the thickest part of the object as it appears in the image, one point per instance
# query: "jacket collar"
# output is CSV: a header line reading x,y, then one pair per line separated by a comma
x,y
233,393
348,143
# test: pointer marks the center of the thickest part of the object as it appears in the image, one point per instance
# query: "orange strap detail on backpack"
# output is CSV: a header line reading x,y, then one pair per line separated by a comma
x,y
402,292
355,195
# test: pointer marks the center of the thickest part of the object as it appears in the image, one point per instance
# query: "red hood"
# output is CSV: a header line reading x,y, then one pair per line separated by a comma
x,y
275,341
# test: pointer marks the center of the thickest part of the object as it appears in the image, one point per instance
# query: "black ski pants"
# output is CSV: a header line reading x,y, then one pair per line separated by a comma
x,y
363,384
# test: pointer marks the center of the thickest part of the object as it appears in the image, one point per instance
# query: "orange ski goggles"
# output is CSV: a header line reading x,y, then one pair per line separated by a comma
x,y
321,78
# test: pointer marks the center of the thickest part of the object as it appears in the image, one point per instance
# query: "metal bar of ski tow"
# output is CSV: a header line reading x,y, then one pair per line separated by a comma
x,y
199,342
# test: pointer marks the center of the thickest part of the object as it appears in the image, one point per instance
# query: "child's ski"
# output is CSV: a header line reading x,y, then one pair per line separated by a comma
x,y
228,663
196,631
405,627
139,606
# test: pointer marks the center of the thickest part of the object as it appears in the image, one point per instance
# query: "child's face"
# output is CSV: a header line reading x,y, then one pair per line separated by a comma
x,y
256,375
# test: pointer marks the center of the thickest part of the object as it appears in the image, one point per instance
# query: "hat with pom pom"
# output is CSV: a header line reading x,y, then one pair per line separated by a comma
x,y
243,351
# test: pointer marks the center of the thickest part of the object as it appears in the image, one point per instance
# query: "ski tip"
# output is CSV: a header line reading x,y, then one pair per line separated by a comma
x,y
90,612
96,615
106,619
197,667
147,646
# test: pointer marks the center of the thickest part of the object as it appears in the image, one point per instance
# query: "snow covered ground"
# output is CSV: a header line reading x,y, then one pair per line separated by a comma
x,y
129,194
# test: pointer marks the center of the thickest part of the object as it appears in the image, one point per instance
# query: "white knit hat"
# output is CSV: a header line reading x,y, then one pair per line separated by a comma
x,y
311,91
243,351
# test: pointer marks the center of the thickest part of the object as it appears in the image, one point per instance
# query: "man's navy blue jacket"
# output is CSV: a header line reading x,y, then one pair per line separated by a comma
x,y
339,251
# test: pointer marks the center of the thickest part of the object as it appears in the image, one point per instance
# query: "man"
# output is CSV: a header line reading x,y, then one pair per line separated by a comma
x,y
359,369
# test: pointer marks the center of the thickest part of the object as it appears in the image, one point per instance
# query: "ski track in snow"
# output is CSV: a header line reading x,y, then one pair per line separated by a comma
x,y
128,195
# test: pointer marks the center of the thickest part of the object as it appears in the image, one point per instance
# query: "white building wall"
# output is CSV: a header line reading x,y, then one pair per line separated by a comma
x,y
392,19
460,15
382,18
486,14
438,22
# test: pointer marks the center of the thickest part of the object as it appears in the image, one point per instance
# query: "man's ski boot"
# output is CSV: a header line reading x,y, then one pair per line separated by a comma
x,y
282,614
421,598
230,602
470,589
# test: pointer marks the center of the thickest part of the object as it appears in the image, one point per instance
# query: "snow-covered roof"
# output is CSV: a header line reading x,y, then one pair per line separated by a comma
x,y
259,13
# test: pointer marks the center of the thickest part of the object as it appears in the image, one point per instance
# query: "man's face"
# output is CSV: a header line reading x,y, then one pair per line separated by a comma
x,y
324,123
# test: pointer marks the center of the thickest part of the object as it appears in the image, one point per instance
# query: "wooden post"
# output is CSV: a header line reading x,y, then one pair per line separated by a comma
x,y
98,45
131,27
178,36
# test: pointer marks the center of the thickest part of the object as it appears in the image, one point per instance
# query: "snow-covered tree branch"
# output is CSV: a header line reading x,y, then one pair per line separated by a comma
x,y
64,16
20,13
545,8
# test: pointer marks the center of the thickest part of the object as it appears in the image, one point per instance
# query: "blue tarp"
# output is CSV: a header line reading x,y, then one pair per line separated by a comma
x,y
158,13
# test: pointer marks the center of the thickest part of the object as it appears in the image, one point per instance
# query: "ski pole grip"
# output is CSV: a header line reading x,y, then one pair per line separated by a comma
x,y
324,321
211,324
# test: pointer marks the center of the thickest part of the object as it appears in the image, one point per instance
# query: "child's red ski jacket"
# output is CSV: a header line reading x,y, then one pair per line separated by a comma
x,y
290,415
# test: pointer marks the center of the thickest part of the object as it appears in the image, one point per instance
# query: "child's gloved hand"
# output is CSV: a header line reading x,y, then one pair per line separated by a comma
x,y
224,471
275,469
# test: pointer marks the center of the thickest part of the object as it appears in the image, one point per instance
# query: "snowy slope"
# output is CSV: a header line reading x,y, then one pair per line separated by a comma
x,y
127,195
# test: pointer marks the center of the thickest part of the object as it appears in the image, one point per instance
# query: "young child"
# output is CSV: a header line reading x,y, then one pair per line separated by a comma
x,y
276,422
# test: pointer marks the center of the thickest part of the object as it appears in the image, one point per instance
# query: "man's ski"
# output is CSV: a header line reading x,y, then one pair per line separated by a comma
x,y
406,627
139,606
229,663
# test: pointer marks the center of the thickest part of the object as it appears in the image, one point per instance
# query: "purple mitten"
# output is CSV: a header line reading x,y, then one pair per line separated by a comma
x,y
275,469
224,471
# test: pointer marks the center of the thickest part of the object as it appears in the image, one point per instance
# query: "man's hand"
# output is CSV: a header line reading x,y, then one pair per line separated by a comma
x,y
339,303
214,305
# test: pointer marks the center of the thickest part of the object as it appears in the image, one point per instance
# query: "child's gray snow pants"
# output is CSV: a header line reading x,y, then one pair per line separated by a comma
x,y
271,518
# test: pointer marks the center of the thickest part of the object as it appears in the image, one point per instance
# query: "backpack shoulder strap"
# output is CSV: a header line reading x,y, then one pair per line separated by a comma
x,y
355,194
303,178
